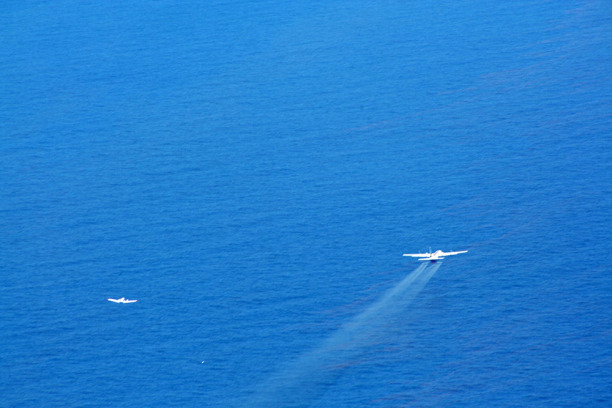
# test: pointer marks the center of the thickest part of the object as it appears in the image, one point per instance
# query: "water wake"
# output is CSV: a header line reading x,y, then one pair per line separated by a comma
x,y
301,382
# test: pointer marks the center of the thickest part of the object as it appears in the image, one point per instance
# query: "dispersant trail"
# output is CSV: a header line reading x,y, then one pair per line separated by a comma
x,y
302,381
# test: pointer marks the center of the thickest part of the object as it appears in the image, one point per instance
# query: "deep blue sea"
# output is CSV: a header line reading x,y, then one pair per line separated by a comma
x,y
252,172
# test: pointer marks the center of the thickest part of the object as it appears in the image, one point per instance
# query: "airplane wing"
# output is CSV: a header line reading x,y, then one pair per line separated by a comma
x,y
129,301
113,300
418,255
452,253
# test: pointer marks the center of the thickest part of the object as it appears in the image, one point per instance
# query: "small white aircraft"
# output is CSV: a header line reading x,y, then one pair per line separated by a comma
x,y
434,256
121,300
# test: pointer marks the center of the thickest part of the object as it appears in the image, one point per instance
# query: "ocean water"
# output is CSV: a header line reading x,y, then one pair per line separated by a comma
x,y
253,172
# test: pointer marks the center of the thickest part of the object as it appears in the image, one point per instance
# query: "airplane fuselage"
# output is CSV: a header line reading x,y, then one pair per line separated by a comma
x,y
436,256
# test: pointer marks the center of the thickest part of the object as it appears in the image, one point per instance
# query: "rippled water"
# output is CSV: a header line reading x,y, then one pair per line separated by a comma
x,y
252,174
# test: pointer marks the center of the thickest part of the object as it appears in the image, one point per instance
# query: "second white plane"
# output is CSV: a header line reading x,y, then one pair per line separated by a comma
x,y
121,300
434,256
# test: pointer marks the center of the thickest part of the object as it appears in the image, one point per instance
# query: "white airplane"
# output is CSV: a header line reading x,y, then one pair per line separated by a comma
x,y
121,300
434,256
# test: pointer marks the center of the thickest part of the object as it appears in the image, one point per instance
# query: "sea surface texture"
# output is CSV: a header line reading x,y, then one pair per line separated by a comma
x,y
252,172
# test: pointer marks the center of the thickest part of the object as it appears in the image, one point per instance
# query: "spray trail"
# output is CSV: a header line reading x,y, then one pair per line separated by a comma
x,y
302,381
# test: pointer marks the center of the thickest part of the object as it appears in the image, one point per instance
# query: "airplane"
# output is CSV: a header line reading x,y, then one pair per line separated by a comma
x,y
434,256
121,300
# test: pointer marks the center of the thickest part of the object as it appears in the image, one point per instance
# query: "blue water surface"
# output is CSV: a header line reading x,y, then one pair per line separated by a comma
x,y
252,172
